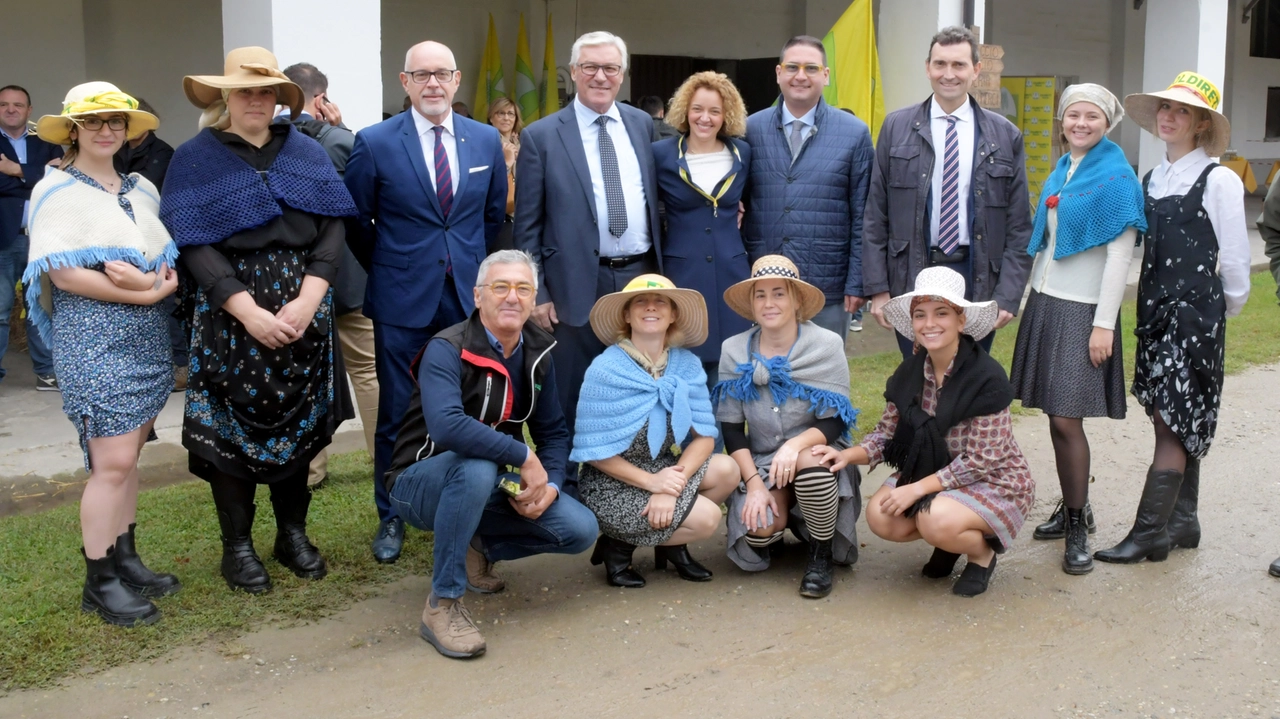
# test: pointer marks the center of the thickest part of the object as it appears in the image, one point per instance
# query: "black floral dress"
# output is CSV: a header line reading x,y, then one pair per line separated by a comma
x,y
1182,316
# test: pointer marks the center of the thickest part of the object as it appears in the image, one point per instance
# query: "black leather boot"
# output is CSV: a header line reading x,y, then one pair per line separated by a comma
x,y
940,565
686,565
816,582
1184,523
106,596
616,556
1275,568
1148,539
1056,527
1075,558
135,575
240,564
293,548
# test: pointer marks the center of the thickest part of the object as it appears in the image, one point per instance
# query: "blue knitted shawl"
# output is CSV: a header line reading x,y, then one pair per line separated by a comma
x,y
1104,199
618,396
210,194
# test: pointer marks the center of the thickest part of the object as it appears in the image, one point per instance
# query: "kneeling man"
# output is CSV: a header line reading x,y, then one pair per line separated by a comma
x,y
478,383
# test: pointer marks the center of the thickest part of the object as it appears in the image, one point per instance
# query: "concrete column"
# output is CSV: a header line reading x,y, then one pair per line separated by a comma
x,y
903,31
341,37
1181,35
42,48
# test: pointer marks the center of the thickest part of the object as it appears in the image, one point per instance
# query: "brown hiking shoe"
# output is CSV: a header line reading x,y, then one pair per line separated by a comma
x,y
480,576
450,629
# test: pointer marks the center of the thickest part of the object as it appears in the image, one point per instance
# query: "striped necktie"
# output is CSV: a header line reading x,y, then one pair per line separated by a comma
x,y
444,181
949,214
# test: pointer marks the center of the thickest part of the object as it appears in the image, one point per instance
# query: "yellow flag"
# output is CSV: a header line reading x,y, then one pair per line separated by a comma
x,y
489,85
526,94
549,88
855,66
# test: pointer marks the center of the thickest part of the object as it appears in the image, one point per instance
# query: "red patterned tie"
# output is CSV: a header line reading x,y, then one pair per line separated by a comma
x,y
444,182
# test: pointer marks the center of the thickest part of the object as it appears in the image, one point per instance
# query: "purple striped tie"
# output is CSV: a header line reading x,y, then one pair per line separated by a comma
x,y
444,182
949,214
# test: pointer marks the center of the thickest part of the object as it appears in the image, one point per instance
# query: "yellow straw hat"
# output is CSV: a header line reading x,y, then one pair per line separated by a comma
x,y
1188,88
810,298
94,98
607,319
244,67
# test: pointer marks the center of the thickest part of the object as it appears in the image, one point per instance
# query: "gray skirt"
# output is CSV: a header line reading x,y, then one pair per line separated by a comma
x,y
1051,367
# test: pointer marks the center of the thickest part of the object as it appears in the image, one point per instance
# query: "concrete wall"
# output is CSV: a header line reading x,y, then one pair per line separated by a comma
x,y
1246,96
26,42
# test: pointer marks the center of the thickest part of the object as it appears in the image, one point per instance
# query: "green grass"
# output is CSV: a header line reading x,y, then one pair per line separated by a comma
x,y
44,637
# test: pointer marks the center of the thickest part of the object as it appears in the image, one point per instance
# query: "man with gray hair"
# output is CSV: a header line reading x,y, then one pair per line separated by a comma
x,y
587,207
478,383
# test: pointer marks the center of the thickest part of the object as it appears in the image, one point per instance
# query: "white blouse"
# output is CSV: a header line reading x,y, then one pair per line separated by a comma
x,y
707,169
1224,201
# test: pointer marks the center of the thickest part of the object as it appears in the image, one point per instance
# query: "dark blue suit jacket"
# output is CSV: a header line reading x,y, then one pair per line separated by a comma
x,y
401,237
14,191
555,217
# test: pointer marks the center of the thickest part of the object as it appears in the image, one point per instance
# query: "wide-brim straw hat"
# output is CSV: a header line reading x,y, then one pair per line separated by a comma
x,y
608,322
1188,88
244,67
944,284
94,98
810,298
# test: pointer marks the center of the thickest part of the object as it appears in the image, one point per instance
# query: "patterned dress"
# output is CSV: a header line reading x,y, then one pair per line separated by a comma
x,y
112,360
987,474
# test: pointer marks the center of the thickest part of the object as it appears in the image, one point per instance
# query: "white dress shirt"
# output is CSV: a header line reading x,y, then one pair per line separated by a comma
x,y
635,241
808,122
427,137
20,149
966,129
1224,201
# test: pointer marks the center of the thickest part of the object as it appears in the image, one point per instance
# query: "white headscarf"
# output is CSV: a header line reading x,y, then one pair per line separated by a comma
x,y
1096,94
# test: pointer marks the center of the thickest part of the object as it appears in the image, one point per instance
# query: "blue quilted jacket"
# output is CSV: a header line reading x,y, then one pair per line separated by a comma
x,y
810,211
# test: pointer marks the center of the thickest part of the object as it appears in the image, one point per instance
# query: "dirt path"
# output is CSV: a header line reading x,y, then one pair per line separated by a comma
x,y
1198,635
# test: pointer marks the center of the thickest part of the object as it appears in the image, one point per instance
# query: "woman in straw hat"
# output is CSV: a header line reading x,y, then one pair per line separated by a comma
x,y
962,484
257,211
645,393
787,381
1195,274
101,262
1067,361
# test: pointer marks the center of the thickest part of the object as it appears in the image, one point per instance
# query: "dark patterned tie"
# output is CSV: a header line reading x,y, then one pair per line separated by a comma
x,y
949,214
612,181
444,181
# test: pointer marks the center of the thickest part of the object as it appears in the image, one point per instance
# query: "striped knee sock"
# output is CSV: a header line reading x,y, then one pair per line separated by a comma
x,y
818,498
762,542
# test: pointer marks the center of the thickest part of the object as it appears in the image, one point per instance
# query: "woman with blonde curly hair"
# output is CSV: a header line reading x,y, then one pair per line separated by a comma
x,y
702,177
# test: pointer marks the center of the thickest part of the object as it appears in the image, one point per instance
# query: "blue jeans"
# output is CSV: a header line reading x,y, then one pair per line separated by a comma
x,y
13,262
457,498
833,317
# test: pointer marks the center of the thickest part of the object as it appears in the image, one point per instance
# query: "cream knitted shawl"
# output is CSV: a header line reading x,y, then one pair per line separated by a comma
x,y
75,225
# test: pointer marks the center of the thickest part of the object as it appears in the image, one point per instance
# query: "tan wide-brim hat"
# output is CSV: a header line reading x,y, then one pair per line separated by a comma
x,y
1188,88
810,298
94,98
608,322
945,284
244,67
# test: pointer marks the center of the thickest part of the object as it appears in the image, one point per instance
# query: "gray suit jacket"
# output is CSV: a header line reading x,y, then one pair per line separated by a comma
x,y
555,218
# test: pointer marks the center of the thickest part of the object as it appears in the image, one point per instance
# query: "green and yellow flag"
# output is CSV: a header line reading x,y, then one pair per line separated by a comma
x,y
526,89
489,85
549,88
855,66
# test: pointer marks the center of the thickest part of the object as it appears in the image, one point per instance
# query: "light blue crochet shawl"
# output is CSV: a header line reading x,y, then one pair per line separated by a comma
x,y
1103,200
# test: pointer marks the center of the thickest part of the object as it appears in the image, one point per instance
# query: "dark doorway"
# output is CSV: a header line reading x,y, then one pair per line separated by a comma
x,y
661,74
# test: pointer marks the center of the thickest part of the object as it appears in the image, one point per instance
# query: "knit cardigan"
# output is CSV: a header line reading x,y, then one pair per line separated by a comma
x,y
75,225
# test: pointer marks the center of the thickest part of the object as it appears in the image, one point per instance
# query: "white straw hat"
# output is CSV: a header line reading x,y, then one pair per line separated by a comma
x,y
1188,88
948,285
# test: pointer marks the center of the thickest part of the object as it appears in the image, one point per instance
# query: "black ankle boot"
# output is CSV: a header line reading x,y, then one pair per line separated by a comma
x,y
616,556
135,575
974,579
240,564
686,565
1148,539
1056,527
107,597
293,549
940,565
816,582
1075,558
1184,524
1274,570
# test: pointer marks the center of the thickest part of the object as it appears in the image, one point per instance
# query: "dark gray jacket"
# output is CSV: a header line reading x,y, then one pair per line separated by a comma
x,y
895,236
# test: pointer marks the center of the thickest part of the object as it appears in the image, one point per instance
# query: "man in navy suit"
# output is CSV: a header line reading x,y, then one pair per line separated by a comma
x,y
23,158
587,208
431,190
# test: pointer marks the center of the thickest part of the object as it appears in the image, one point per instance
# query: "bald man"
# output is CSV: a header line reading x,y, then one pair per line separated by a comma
x,y
431,190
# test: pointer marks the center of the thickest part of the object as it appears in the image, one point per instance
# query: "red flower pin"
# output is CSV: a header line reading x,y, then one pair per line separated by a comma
x,y
1051,201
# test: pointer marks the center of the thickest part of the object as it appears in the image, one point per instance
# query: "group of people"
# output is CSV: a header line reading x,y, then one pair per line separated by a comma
x,y
664,358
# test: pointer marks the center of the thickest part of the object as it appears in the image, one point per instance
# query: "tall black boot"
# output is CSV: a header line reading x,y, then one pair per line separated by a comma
x,y
293,549
616,556
1148,539
1075,558
816,582
107,597
241,566
135,575
1184,524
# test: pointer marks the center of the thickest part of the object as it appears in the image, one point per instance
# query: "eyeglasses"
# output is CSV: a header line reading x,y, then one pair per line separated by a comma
x,y
505,113
811,69
422,77
500,290
589,69
93,124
